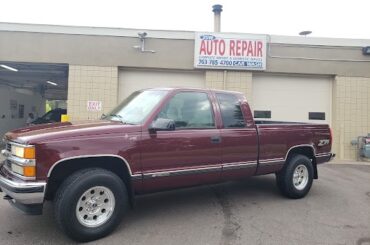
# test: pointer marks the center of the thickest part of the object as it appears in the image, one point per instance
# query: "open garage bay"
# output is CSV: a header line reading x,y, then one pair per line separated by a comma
x,y
25,87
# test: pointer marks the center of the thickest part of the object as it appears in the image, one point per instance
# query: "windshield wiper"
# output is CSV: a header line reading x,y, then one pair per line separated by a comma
x,y
120,118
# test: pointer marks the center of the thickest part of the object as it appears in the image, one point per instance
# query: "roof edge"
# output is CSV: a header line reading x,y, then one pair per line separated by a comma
x,y
173,34
99,31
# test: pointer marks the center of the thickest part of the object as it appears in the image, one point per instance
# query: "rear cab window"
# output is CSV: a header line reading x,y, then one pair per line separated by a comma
x,y
231,112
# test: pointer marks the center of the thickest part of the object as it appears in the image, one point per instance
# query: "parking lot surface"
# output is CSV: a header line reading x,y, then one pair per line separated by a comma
x,y
336,211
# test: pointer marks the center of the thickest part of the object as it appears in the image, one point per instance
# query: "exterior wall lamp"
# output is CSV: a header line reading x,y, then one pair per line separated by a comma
x,y
366,50
141,47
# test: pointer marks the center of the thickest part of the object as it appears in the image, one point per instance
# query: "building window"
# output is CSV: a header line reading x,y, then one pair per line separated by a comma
x,y
231,113
20,111
316,115
262,114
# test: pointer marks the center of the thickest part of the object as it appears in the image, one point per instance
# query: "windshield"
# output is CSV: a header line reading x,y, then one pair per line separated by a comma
x,y
53,115
137,107
47,116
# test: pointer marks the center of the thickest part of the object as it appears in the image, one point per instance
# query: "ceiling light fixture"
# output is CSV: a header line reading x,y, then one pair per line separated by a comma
x,y
52,83
8,68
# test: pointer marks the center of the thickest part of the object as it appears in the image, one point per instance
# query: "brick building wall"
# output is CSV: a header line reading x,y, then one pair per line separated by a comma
x,y
91,83
240,81
351,117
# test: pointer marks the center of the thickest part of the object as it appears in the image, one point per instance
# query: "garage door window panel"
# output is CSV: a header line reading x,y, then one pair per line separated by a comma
x,y
316,115
189,110
262,114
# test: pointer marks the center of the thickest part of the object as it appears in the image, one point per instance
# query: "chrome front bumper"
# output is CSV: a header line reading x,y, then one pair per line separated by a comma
x,y
23,192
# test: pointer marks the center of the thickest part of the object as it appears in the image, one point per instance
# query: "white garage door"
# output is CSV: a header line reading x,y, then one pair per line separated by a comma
x,y
292,98
136,79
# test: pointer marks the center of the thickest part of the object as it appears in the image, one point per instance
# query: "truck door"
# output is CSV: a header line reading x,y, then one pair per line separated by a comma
x,y
239,138
188,155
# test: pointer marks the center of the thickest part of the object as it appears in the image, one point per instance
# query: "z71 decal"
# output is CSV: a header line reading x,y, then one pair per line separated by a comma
x,y
323,142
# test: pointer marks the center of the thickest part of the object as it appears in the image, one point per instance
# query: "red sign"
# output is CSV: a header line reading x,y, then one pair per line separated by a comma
x,y
94,105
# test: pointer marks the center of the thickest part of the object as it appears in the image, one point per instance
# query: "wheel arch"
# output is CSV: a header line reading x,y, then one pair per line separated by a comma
x,y
306,150
65,167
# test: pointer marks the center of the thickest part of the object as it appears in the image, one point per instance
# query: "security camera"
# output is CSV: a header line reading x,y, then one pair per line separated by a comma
x,y
141,48
142,34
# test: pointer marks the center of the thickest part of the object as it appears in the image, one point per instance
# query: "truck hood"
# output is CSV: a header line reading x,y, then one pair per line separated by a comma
x,y
66,130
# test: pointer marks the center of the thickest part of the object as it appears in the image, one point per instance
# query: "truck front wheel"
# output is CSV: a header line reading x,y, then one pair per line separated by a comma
x,y
295,179
90,204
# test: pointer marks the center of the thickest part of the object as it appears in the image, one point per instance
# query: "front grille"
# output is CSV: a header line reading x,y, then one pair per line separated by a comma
x,y
8,148
8,164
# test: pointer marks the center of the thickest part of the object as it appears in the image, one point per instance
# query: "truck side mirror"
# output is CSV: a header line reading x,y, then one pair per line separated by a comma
x,y
162,124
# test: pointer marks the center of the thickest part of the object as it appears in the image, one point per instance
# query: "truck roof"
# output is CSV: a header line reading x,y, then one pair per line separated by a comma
x,y
191,88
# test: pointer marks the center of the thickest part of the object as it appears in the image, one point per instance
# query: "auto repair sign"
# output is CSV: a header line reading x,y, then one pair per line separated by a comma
x,y
230,51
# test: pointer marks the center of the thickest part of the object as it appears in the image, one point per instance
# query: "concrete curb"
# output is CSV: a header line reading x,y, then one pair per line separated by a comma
x,y
344,162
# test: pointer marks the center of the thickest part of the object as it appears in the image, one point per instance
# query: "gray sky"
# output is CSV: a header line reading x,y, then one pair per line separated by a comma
x,y
326,18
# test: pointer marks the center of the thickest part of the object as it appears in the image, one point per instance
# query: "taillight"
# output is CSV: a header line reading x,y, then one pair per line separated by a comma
x,y
331,135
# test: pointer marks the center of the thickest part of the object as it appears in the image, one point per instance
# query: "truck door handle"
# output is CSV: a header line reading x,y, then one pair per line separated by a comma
x,y
216,139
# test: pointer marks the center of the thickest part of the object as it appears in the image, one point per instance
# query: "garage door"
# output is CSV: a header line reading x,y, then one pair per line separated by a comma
x,y
292,98
133,80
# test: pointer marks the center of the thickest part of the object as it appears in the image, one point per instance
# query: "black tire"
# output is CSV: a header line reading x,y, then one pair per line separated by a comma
x,y
69,194
284,178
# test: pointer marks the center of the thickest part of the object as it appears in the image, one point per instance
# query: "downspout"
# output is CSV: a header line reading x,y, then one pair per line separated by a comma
x,y
217,9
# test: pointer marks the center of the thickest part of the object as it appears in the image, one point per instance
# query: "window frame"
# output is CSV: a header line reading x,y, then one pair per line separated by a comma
x,y
240,107
189,91
21,108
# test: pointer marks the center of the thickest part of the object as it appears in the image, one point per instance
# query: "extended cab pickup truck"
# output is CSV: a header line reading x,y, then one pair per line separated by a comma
x,y
156,139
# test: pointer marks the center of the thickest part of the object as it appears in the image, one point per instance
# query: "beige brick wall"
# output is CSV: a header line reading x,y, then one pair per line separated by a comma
x,y
351,117
91,83
240,81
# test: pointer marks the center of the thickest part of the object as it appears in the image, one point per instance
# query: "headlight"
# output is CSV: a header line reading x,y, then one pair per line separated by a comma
x,y
25,164
27,171
23,152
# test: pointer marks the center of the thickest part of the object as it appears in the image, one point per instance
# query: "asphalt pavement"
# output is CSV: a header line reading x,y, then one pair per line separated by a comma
x,y
336,211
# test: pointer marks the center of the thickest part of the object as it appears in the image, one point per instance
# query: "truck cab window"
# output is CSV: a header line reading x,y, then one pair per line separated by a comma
x,y
231,112
189,110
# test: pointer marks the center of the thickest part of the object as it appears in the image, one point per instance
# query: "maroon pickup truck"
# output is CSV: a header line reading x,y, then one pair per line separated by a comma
x,y
156,139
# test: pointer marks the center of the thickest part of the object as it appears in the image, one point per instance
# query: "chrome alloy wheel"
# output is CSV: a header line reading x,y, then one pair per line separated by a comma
x,y
95,206
300,177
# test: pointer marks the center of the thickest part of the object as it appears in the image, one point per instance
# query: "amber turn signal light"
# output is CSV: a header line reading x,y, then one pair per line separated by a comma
x,y
29,171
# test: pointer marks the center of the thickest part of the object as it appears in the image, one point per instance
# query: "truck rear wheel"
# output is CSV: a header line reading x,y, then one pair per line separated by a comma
x,y
90,204
295,179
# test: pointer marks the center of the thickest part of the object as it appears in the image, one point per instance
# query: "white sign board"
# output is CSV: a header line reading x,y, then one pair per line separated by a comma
x,y
230,51
94,105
